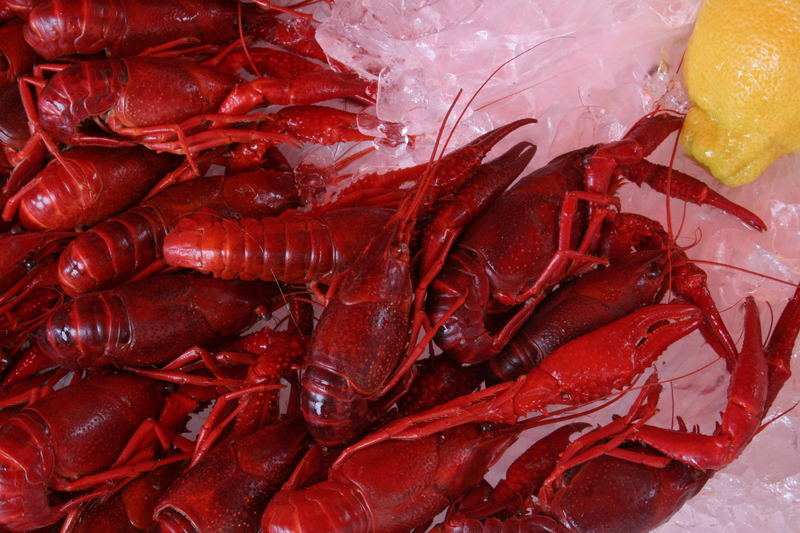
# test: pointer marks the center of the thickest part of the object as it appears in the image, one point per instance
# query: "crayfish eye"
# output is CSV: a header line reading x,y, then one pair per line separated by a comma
x,y
486,427
653,271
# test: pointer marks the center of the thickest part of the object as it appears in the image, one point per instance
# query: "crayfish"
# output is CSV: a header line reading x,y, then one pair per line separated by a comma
x,y
525,241
182,135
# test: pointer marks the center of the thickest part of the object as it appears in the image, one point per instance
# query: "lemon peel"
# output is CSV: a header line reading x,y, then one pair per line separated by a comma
x,y
742,71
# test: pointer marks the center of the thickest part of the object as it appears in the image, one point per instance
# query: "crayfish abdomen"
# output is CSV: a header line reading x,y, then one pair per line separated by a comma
x,y
294,248
150,321
125,27
121,247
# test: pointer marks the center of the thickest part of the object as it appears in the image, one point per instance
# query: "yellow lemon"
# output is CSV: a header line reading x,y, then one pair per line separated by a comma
x,y
742,71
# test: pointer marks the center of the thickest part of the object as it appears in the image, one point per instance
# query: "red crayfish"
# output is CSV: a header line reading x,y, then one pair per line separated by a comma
x,y
123,246
150,321
111,181
670,468
628,476
67,440
125,27
300,247
376,289
544,282
502,260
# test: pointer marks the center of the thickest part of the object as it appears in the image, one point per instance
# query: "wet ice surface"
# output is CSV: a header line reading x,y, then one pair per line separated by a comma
x,y
592,69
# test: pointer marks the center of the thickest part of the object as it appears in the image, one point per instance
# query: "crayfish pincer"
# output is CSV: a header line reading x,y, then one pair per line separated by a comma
x,y
627,476
583,370
630,477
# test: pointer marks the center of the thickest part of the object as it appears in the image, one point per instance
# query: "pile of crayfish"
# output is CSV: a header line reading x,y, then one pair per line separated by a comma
x,y
163,257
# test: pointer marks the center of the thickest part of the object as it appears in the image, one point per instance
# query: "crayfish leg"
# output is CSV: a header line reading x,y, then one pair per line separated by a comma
x,y
526,474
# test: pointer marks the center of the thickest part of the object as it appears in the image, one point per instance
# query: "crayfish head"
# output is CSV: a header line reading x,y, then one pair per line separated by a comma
x,y
649,269
382,273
